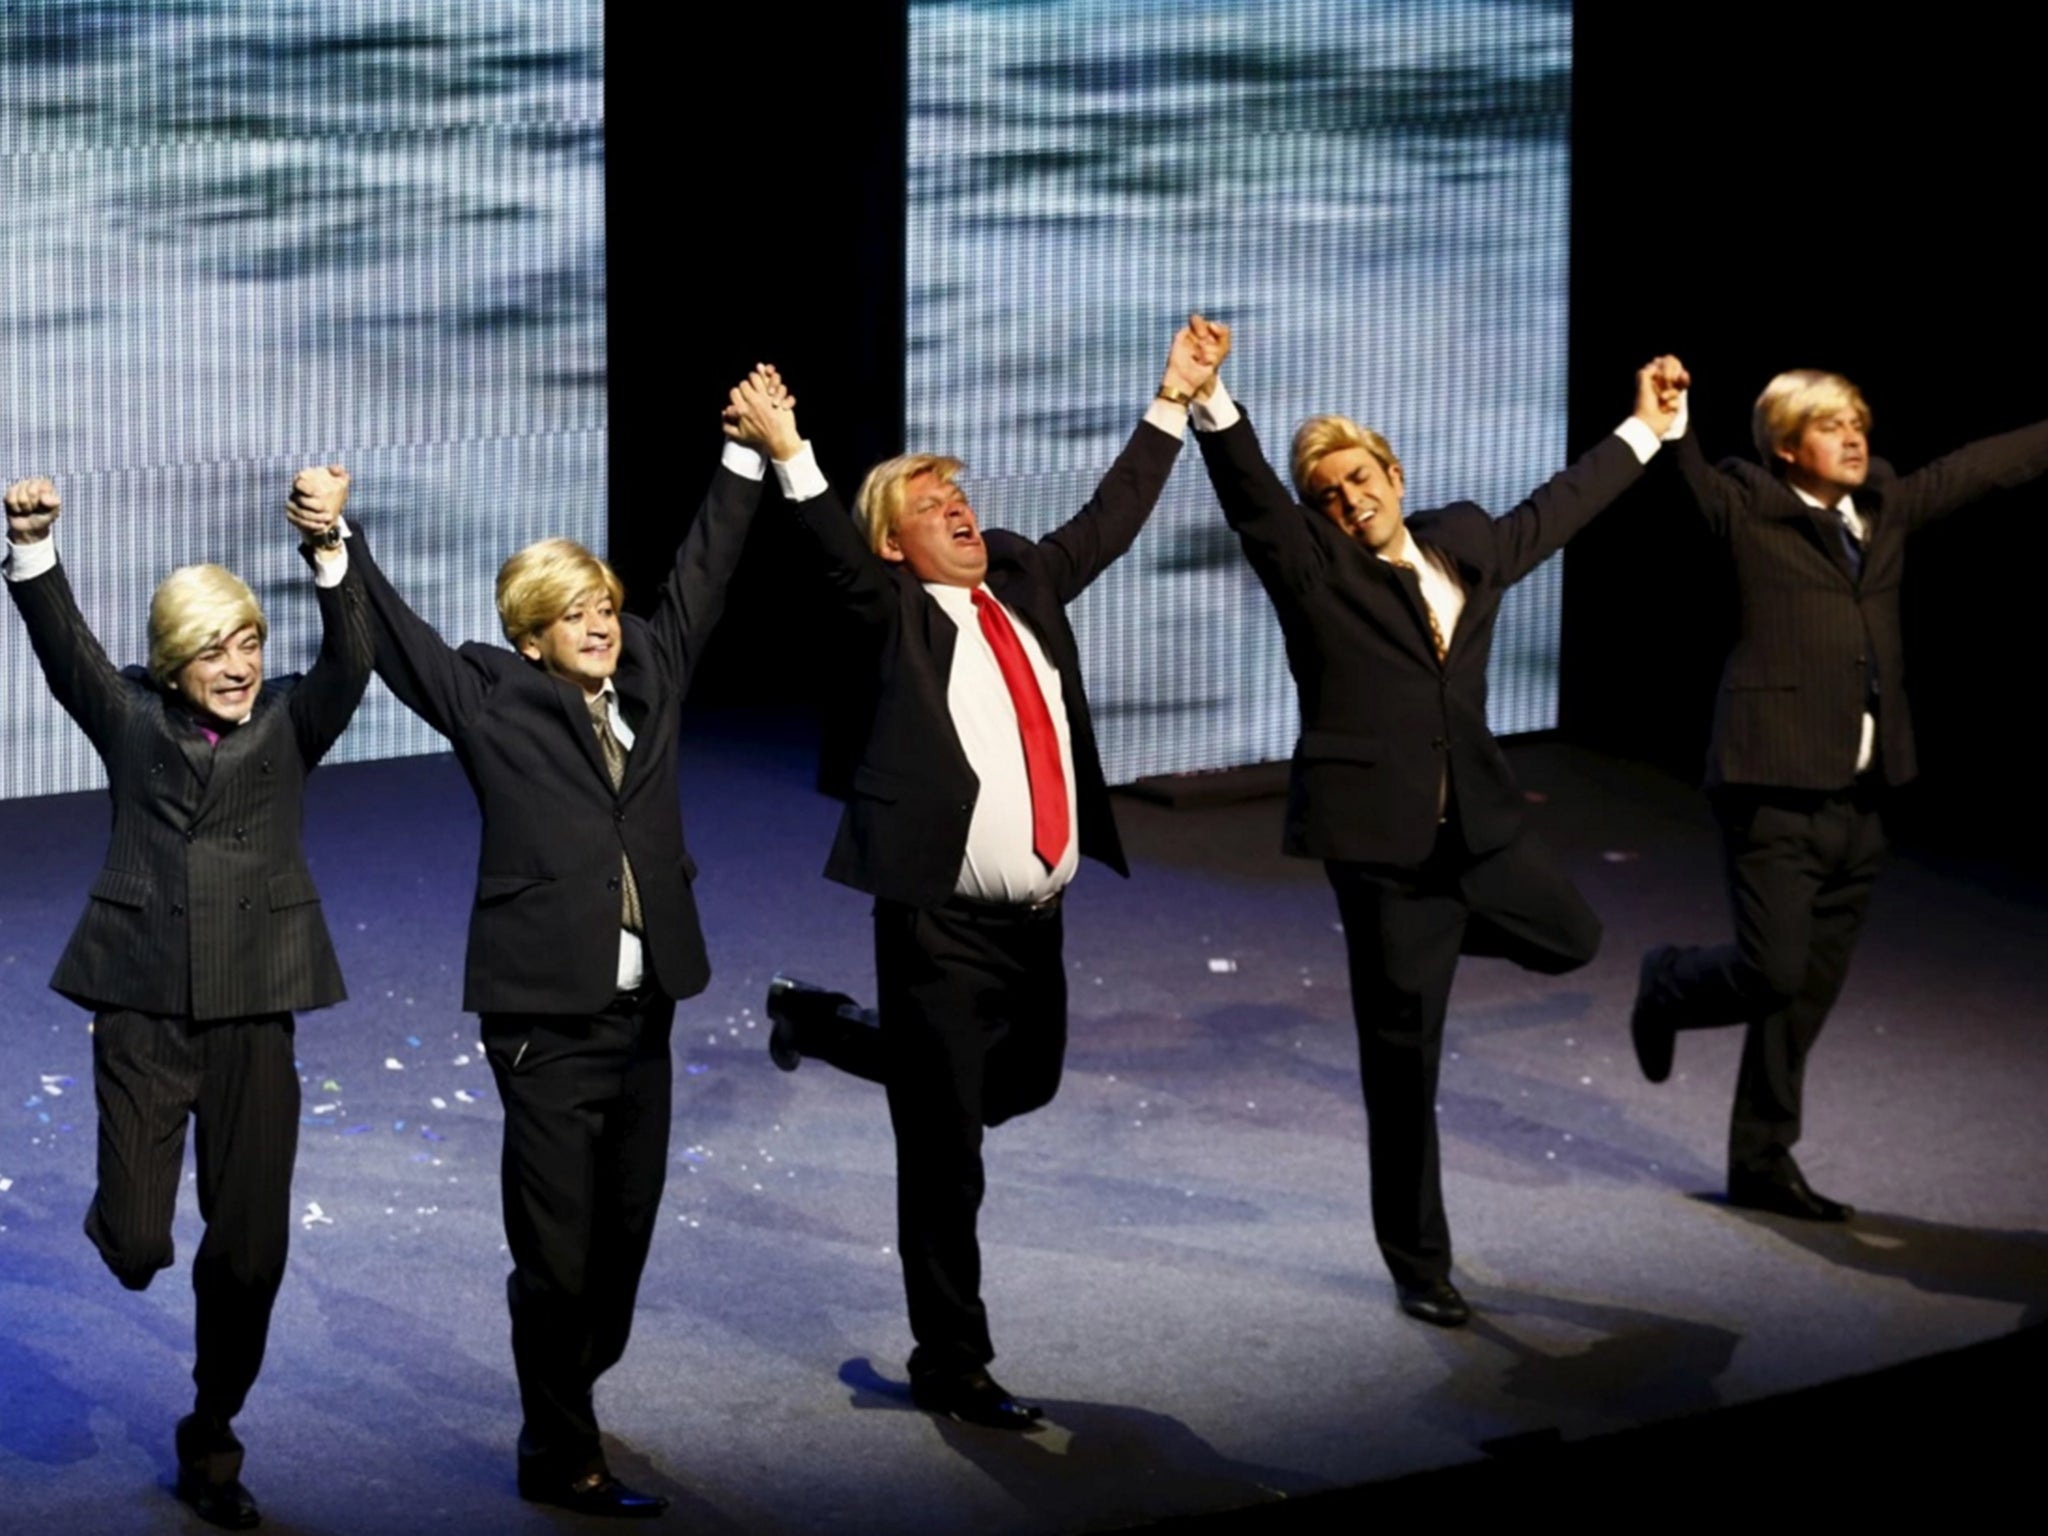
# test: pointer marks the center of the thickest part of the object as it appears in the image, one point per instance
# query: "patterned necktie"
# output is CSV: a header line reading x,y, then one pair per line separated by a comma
x,y
1049,821
1852,546
630,917
1436,629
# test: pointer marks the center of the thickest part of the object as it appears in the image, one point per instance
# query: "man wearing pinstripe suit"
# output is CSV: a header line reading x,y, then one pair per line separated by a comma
x,y
584,934
1811,729
203,935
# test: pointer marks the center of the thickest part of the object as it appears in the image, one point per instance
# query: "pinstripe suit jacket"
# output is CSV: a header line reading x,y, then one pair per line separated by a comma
x,y
1811,638
1385,726
204,908
544,931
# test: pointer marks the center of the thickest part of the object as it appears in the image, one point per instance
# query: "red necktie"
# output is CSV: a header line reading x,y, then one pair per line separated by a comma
x,y
1049,830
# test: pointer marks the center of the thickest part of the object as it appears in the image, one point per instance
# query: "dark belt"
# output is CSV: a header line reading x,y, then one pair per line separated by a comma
x,y
1003,911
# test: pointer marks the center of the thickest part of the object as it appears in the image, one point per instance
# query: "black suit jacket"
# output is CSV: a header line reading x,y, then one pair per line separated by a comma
x,y
1814,640
204,907
912,795
544,932
1382,721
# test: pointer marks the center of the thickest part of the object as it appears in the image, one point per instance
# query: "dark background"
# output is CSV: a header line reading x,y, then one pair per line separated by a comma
x,y
1754,188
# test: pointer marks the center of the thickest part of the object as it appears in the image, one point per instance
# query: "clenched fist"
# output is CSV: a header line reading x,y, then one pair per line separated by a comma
x,y
32,505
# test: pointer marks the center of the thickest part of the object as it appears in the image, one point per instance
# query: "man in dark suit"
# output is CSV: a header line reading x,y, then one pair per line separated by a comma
x,y
978,788
583,937
202,937
1811,730
1397,784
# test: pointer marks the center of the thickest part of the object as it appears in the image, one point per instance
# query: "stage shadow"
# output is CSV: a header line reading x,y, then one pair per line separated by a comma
x,y
1978,1262
1096,1465
1584,1364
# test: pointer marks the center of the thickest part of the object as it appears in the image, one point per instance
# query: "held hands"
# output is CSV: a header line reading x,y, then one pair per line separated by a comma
x,y
1212,345
316,502
760,413
1661,384
1199,348
32,505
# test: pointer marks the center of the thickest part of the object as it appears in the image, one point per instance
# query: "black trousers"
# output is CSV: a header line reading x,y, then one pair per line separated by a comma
x,y
235,1080
587,1100
1801,867
974,1032
1403,932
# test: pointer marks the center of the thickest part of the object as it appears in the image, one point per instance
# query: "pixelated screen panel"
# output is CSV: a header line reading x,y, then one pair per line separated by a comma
x,y
1374,195
251,235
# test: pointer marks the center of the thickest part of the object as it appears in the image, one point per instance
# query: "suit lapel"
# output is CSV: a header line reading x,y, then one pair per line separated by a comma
x,y
1823,525
940,635
194,747
577,713
1409,585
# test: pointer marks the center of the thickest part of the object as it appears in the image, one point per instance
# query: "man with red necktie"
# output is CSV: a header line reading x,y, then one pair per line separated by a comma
x,y
976,791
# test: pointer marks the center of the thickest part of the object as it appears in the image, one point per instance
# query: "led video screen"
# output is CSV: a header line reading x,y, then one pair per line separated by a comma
x,y
249,235
1374,195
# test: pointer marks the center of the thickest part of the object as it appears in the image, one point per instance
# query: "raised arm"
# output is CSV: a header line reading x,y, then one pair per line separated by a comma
x,y
1569,500
326,697
1083,547
1956,479
1720,496
1278,537
693,597
81,678
760,415
428,676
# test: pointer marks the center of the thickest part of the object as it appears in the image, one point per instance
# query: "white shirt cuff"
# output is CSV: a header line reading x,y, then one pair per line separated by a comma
x,y
1642,442
799,475
1217,413
743,461
328,570
25,562
1167,417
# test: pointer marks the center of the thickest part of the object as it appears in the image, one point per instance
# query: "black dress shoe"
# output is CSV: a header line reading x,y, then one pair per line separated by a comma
x,y
228,1505
1784,1193
794,1006
973,1398
1653,1037
1437,1302
595,1493
209,1474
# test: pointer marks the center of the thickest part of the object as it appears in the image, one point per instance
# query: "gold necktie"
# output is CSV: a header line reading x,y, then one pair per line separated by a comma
x,y
614,751
1436,630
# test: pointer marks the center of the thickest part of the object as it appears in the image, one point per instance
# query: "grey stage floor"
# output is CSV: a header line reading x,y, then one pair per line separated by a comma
x,y
1179,1263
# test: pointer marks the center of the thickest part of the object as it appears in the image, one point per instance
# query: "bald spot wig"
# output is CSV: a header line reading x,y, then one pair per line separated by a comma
x,y
879,506
1795,398
195,608
1320,436
545,580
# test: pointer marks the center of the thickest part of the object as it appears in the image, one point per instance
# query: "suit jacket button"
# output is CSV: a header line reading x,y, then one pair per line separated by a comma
x,y
612,884
190,835
618,815
177,909
241,834
242,905
1438,745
